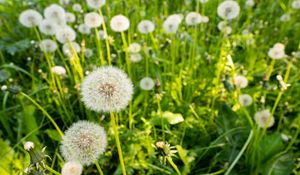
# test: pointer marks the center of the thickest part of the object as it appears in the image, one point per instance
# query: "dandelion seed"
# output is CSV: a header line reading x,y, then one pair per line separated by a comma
x,y
95,4
135,57
245,100
83,142
71,168
92,20
296,4
58,70
193,18
64,2
55,13
249,3
264,119
228,9
134,48
47,27
65,34
88,53
147,84
28,146
77,7
70,17
70,48
146,26
285,17
171,24
48,46
84,29
203,1
277,51
30,18
119,23
240,81
106,89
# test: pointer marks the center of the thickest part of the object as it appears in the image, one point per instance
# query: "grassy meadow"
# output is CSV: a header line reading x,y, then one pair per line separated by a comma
x,y
150,87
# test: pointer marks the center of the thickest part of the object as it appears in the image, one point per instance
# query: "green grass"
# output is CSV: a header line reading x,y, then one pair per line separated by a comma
x,y
193,70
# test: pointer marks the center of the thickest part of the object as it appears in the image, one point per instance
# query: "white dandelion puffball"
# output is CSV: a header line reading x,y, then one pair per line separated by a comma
x,y
70,17
71,168
296,4
193,18
95,4
245,100
83,142
277,51
240,81
177,18
203,1
88,52
134,48
222,25
119,23
146,26
48,46
64,2
264,119
228,9
250,3
77,7
28,145
285,17
65,34
70,48
59,70
204,19
135,57
92,20
107,89
47,27
102,34
55,13
147,84
84,29
30,18
170,26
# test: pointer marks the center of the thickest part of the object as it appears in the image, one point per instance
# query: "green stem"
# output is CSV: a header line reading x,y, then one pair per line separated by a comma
x,y
173,165
98,43
106,39
240,153
99,168
126,53
52,170
45,112
116,133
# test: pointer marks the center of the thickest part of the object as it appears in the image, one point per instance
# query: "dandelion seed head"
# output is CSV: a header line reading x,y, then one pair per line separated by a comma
x,y
48,46
134,48
106,89
193,18
58,70
92,20
28,145
135,57
84,29
240,81
77,7
88,52
55,13
47,27
72,168
147,84
70,17
245,100
95,4
296,4
119,23
277,51
83,142
65,34
146,26
228,9
70,48
30,18
264,119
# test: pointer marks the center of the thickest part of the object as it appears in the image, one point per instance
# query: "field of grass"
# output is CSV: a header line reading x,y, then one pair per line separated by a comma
x,y
203,87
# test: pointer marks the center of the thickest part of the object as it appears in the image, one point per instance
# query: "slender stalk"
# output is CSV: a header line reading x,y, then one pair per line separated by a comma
x,y
270,70
126,54
116,133
52,170
99,46
106,38
240,153
173,165
45,112
99,168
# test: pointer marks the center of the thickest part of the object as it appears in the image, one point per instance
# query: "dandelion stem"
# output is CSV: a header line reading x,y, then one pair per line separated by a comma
x,y
126,53
99,168
52,170
116,133
173,165
45,112
240,153
106,38
99,46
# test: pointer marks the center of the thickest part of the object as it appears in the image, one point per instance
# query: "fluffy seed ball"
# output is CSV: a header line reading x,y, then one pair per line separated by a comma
x,y
28,145
147,84
83,142
240,81
264,119
277,51
48,45
92,20
245,100
30,18
65,34
119,23
146,26
95,4
71,168
47,27
107,89
228,9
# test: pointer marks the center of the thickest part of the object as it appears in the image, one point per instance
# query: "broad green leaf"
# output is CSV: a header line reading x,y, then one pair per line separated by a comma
x,y
282,165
